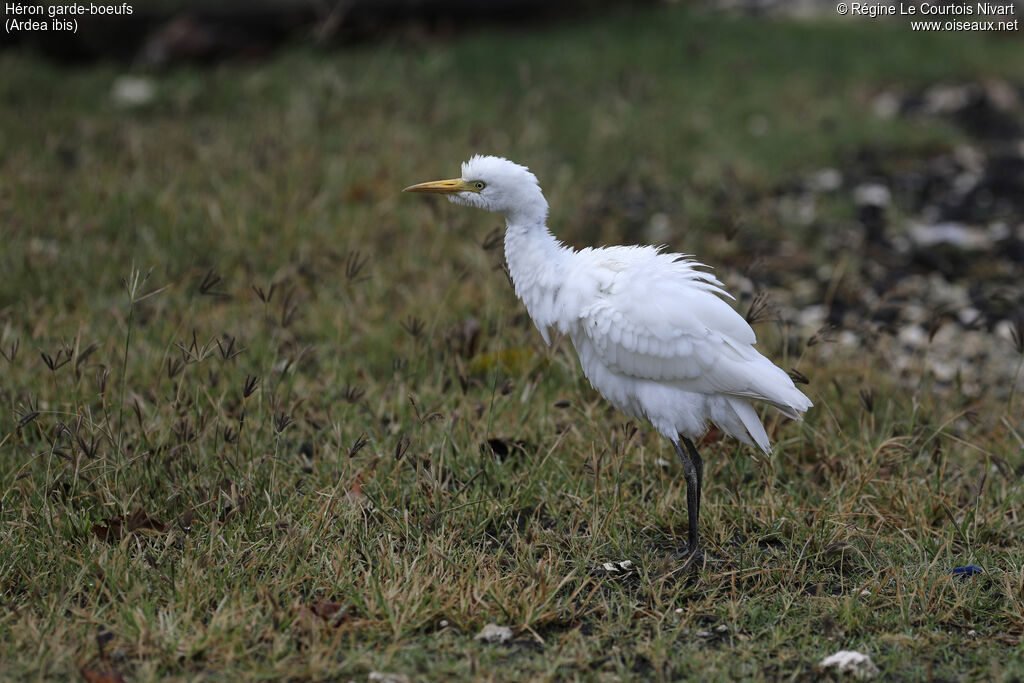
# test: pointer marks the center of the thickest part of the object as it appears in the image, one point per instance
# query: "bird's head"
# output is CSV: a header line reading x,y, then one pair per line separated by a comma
x,y
493,184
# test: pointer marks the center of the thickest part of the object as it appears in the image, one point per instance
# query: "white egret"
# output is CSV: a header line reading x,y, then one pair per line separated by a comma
x,y
653,332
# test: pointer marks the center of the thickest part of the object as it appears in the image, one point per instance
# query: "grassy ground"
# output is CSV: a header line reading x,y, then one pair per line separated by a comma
x,y
264,416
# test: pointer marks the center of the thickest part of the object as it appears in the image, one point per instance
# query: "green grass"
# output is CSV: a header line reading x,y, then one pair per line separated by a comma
x,y
354,472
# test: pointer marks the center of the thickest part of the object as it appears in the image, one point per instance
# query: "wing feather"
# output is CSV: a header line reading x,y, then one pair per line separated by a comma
x,y
658,317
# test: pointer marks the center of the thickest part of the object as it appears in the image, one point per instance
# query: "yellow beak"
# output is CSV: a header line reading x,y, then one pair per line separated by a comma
x,y
442,186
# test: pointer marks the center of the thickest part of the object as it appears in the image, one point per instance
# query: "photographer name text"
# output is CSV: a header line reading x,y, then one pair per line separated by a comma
x,y
927,16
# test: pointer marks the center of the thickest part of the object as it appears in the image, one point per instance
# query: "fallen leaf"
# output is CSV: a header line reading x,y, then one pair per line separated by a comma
x,y
142,520
304,618
110,532
114,528
355,495
503,448
101,675
334,612
714,434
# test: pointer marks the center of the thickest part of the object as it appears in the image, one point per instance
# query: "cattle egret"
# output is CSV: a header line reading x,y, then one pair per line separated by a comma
x,y
652,330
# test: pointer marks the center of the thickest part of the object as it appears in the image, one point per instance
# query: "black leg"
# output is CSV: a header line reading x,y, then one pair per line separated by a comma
x,y
694,472
698,464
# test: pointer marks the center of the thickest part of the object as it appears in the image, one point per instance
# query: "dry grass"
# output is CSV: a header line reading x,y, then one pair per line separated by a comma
x,y
265,417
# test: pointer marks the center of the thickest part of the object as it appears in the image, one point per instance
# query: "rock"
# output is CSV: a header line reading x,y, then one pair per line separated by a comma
x,y
133,91
999,231
969,316
825,180
947,99
1002,95
492,633
887,105
950,294
941,370
798,209
1006,331
385,677
850,661
954,234
872,194
913,336
849,339
812,317
969,157
964,182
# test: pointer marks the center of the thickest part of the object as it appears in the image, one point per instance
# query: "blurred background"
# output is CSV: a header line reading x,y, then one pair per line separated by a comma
x,y
868,175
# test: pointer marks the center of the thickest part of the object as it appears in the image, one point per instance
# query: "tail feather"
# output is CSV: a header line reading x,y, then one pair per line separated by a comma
x,y
762,380
781,392
794,407
748,416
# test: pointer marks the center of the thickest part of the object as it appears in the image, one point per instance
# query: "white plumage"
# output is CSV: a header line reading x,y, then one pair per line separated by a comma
x,y
653,332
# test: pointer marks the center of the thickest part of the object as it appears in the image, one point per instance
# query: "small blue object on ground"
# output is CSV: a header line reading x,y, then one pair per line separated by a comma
x,y
969,570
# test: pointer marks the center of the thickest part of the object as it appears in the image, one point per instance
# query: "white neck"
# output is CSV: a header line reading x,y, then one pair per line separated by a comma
x,y
538,264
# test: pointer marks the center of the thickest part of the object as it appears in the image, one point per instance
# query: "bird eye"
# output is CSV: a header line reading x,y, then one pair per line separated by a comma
x,y
479,185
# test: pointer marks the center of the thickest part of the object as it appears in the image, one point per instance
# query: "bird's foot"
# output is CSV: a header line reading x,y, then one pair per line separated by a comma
x,y
692,559
689,560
